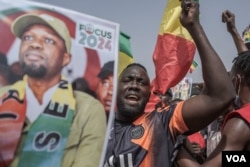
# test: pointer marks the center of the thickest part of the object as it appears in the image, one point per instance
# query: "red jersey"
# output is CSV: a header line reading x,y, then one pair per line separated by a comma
x,y
243,112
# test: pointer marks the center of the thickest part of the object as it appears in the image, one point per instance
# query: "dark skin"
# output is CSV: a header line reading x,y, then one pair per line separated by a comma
x,y
133,89
233,128
42,47
196,148
198,111
229,18
230,140
197,152
202,109
133,93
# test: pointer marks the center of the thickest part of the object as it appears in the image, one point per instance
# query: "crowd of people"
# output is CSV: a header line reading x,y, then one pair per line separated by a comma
x,y
230,131
38,125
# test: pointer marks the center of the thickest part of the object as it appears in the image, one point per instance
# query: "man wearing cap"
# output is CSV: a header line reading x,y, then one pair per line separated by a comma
x,y
104,89
43,122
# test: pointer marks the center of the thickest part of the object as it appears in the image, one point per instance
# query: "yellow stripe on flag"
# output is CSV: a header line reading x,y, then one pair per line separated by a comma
x,y
125,53
170,21
124,60
194,65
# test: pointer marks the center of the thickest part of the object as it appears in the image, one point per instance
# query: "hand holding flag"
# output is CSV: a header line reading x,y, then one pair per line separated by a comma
x,y
173,54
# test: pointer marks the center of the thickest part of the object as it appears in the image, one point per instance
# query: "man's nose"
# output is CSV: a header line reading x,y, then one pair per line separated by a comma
x,y
110,90
36,44
134,84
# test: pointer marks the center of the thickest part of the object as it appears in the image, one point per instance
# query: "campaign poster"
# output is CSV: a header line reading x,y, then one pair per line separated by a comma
x,y
94,44
183,89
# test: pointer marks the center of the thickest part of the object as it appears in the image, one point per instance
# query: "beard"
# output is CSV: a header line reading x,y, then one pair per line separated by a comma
x,y
33,70
131,112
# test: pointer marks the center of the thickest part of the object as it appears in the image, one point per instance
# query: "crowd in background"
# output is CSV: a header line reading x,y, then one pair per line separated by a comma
x,y
200,144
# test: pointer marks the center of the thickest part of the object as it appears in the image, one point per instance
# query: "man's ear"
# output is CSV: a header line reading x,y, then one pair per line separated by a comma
x,y
66,59
239,79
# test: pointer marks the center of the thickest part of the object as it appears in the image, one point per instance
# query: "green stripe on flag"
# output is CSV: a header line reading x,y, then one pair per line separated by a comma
x,y
124,44
194,64
125,54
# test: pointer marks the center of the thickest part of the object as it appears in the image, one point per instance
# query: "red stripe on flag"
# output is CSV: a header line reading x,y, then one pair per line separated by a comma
x,y
172,57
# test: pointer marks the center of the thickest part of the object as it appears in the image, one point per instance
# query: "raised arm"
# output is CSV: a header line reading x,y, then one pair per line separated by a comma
x,y
229,18
200,110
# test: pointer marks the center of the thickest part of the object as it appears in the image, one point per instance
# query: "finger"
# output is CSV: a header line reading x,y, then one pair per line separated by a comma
x,y
186,5
229,13
223,17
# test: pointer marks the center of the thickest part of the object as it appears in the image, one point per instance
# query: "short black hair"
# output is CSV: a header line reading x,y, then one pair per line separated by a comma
x,y
136,64
81,84
106,70
3,59
241,65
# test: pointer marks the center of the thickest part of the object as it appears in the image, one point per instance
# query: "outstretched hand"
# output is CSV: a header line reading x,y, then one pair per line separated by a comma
x,y
229,18
190,13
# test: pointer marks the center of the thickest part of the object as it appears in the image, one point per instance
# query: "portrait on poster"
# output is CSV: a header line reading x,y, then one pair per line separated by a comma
x,y
57,84
94,40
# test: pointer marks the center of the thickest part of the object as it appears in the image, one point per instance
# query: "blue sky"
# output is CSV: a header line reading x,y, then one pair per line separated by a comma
x,y
141,20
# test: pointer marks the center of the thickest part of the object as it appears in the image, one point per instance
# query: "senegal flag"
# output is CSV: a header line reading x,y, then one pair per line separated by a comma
x,y
194,65
173,54
246,35
125,54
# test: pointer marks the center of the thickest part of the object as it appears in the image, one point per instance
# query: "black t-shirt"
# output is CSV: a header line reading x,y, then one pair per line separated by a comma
x,y
147,142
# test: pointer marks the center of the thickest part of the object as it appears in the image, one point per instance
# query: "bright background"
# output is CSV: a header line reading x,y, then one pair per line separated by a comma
x,y
141,20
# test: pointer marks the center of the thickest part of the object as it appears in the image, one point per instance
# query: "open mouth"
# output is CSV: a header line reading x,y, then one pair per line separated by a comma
x,y
132,99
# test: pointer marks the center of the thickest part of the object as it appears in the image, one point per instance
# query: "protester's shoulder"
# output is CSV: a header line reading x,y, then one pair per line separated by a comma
x,y
233,123
83,97
241,112
176,106
86,101
88,107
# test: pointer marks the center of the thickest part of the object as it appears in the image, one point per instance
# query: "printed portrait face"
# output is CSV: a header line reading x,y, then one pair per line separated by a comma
x,y
42,51
104,92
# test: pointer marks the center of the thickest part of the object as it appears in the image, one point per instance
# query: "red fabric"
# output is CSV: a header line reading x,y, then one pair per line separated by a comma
x,y
12,117
243,112
197,138
172,58
6,35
